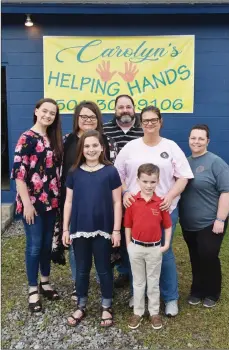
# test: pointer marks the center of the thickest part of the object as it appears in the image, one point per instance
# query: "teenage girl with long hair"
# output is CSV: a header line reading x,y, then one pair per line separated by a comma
x,y
36,170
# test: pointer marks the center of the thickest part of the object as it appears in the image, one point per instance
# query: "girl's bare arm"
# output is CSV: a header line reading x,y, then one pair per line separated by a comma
x,y
67,216
117,203
67,209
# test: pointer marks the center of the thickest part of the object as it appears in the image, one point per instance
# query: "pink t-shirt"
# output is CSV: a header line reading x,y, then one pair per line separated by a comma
x,y
167,155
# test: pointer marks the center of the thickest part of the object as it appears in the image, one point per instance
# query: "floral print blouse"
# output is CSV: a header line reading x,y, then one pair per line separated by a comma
x,y
35,164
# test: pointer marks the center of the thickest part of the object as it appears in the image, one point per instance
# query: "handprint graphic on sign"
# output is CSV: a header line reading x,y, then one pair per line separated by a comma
x,y
130,72
104,71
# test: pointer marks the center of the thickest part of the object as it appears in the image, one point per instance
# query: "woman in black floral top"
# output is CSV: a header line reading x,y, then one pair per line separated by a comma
x,y
36,170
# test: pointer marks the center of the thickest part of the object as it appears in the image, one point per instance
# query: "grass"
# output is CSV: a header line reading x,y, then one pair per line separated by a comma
x,y
194,327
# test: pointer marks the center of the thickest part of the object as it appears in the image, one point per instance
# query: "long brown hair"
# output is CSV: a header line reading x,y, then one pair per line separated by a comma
x,y
80,159
94,108
53,131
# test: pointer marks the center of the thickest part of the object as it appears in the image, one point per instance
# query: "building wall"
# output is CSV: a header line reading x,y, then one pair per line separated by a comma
x,y
22,53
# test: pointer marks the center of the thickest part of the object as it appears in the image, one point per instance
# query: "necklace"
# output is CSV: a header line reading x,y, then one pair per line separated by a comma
x,y
90,168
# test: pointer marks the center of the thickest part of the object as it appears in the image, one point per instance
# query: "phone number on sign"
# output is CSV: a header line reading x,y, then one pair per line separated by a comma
x,y
164,105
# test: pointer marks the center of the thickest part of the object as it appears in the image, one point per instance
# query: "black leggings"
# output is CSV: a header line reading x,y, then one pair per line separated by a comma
x,y
204,247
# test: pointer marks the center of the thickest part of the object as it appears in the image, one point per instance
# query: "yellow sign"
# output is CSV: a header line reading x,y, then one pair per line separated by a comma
x,y
156,70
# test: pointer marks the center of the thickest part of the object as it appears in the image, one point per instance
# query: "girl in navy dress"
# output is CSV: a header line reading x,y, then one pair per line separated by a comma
x,y
36,171
92,221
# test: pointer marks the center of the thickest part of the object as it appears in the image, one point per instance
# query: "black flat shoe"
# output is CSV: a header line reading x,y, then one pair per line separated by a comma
x,y
49,294
35,307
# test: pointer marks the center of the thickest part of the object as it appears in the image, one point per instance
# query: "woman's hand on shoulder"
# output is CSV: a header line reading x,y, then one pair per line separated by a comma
x,y
66,238
29,213
128,199
116,239
166,202
218,227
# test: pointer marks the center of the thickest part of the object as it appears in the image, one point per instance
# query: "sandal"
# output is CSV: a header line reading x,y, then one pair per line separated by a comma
x,y
37,306
49,294
108,309
77,319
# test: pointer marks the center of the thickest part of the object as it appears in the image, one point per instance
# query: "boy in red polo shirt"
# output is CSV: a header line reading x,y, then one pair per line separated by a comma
x,y
143,227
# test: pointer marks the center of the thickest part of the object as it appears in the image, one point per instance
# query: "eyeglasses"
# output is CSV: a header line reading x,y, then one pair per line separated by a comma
x,y
86,118
151,121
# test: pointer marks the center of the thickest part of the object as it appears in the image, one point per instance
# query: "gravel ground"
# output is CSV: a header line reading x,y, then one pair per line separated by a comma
x,y
48,330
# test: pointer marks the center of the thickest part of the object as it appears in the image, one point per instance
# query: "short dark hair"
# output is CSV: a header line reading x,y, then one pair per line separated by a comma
x,y
148,169
120,96
151,109
94,108
201,127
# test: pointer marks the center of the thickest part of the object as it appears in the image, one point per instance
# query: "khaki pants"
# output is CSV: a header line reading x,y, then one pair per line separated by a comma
x,y
146,268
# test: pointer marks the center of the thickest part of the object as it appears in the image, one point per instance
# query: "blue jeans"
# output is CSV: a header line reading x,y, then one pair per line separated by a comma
x,y
39,245
72,262
100,248
168,278
124,267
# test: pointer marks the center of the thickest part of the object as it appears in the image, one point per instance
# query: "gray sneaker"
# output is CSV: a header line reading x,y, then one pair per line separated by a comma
x,y
193,300
209,302
171,308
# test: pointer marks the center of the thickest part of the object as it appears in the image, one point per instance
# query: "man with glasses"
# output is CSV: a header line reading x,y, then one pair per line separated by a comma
x,y
124,127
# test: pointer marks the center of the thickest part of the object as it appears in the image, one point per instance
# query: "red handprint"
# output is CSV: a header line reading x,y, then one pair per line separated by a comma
x,y
130,72
104,71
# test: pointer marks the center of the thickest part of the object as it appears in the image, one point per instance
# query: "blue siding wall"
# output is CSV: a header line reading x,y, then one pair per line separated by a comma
x,y
22,53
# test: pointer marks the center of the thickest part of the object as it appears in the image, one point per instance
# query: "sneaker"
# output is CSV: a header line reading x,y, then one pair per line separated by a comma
x,y
135,321
171,308
121,281
73,295
209,302
156,322
131,302
193,300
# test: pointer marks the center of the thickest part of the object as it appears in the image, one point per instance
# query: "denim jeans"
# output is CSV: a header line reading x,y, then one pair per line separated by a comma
x,y
168,278
39,245
124,267
84,249
72,262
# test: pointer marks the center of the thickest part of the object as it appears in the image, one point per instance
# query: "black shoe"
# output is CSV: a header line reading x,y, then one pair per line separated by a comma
x,y
209,302
35,307
121,281
193,300
49,294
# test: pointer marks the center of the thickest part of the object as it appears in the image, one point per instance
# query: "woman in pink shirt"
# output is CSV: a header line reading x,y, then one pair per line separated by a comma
x,y
174,174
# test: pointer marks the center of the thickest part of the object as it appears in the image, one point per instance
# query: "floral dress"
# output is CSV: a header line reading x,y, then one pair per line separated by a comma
x,y
35,163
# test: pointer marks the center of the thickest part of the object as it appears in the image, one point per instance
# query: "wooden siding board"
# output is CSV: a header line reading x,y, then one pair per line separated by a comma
x,y
25,85
25,72
24,63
